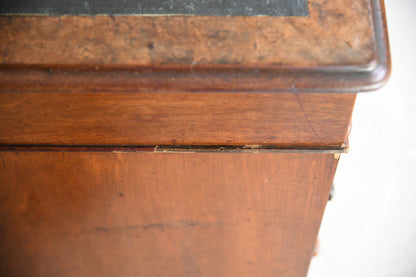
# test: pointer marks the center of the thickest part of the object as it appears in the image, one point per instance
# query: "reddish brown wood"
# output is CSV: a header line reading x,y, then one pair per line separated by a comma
x,y
161,214
334,49
89,104
280,120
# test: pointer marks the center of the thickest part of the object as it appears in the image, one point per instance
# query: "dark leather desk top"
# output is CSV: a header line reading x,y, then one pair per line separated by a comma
x,y
157,7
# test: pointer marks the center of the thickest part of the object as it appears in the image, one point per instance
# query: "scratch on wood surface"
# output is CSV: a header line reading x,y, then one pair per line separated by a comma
x,y
3,162
161,226
306,116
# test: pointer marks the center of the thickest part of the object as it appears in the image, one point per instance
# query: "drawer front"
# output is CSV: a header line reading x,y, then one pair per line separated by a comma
x,y
161,214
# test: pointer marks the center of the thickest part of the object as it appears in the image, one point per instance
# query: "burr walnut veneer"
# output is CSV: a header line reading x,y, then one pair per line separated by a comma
x,y
177,144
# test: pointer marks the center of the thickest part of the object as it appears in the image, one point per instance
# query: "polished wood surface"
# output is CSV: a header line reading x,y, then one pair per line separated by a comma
x,y
276,120
334,49
161,214
177,145
202,40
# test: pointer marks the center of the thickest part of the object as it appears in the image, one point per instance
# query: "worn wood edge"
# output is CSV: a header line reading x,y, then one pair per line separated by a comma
x,y
173,149
283,81
312,254
337,79
380,73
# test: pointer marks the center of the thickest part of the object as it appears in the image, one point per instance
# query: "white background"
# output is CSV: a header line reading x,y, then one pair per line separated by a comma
x,y
369,229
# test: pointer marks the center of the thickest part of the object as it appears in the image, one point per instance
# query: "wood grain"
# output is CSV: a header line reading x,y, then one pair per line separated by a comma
x,y
333,49
138,41
276,120
160,214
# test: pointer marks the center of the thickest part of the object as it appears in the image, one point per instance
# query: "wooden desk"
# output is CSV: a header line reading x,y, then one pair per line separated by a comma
x,y
191,144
